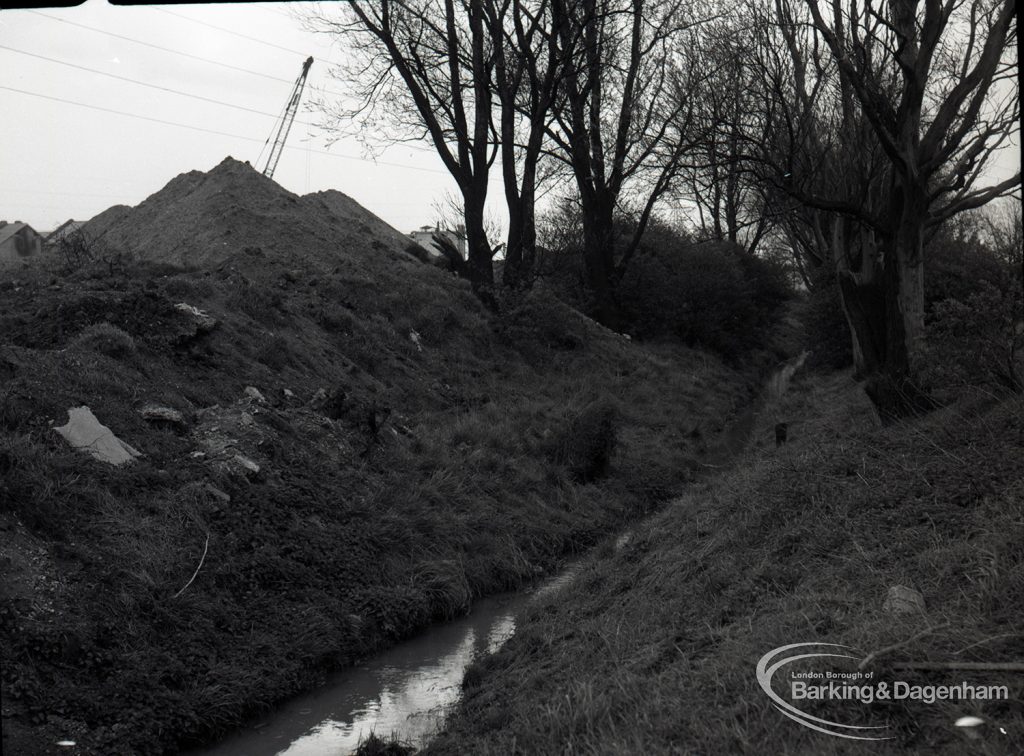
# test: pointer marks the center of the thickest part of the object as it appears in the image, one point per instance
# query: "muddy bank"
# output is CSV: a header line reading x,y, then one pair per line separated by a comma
x,y
656,650
407,691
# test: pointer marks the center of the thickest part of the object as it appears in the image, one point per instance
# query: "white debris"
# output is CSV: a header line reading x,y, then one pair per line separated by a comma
x,y
246,464
83,431
156,413
969,722
903,600
202,320
254,393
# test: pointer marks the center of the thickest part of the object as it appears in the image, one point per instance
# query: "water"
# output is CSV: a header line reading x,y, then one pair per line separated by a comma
x,y
405,690
409,689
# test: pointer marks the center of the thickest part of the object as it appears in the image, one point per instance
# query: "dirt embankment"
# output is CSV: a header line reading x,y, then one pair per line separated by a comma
x,y
344,447
655,647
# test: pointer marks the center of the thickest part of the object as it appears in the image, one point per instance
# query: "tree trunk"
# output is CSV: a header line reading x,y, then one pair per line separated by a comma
x,y
480,264
599,257
883,300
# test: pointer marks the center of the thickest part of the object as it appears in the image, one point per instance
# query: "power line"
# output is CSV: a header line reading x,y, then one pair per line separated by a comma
x,y
172,51
159,47
199,58
147,84
222,133
130,115
235,33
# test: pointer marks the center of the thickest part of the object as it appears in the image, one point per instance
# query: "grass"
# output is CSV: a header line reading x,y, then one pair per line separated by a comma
x,y
432,482
653,649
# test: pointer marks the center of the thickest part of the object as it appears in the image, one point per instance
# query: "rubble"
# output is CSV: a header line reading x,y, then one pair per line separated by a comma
x,y
86,433
160,415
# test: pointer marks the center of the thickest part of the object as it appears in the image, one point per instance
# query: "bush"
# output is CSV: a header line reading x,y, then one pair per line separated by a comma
x,y
106,339
977,342
276,353
378,746
974,314
539,322
713,294
958,266
828,334
586,446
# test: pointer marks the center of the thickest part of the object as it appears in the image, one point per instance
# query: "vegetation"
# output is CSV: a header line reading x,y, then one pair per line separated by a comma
x,y
158,604
652,648
849,134
341,445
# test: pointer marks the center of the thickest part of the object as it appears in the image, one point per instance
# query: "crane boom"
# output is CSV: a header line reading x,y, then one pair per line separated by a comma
x,y
286,121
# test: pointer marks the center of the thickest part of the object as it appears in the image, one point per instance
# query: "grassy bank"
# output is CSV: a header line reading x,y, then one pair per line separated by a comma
x,y
413,453
654,647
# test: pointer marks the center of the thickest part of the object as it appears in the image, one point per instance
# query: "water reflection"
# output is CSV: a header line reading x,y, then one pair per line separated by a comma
x,y
406,690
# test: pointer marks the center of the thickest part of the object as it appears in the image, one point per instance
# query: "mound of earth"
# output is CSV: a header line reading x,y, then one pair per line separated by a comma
x,y
202,220
338,445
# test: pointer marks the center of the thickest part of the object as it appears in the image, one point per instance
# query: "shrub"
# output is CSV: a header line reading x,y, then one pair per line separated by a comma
x,y
586,446
378,746
979,341
828,334
974,315
259,303
958,266
106,339
276,353
541,322
713,294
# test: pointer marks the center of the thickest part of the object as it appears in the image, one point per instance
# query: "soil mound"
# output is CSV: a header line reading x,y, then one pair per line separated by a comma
x,y
202,220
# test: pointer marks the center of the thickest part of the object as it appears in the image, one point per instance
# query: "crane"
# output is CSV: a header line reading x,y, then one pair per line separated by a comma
x,y
286,120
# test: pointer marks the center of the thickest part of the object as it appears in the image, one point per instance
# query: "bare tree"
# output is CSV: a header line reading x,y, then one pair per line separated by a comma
x,y
421,69
527,67
883,119
928,77
719,182
620,120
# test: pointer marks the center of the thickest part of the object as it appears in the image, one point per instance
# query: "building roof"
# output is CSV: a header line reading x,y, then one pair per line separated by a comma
x,y
67,227
10,229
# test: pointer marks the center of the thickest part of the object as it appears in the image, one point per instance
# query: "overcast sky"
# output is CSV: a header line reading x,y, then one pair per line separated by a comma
x,y
61,157
60,160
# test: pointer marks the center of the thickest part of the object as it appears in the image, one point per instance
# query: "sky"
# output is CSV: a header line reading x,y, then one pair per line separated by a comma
x,y
60,159
65,152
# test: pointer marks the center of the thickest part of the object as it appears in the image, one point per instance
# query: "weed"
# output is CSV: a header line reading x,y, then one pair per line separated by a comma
x,y
586,446
106,339
374,745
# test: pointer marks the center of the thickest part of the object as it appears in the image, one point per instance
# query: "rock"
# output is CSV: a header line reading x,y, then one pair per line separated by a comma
x,y
319,398
289,394
254,393
160,415
218,494
197,323
903,600
204,323
246,419
247,464
414,337
85,433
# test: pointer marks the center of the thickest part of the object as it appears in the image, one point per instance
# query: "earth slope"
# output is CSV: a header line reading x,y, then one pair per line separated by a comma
x,y
205,219
344,448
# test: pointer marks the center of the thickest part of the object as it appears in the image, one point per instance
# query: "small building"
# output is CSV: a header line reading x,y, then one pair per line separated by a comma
x,y
18,242
424,236
62,231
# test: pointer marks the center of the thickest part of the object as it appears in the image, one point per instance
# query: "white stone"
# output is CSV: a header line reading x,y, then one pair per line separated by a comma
x,y
85,433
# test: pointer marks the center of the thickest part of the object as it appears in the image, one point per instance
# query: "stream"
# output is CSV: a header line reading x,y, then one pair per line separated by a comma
x,y
408,689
